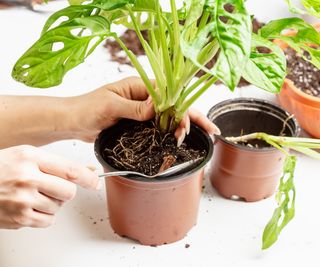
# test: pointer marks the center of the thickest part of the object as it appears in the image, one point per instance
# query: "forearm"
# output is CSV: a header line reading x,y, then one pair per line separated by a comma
x,y
35,120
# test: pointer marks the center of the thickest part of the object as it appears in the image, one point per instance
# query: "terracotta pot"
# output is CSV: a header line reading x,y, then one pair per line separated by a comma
x,y
240,171
306,108
154,211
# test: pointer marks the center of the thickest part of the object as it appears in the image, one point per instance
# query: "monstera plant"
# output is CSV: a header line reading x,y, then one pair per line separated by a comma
x,y
181,42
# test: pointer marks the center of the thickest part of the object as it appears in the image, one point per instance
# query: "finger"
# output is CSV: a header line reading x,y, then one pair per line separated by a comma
x,y
185,123
56,187
41,220
135,110
45,204
202,121
180,134
68,170
131,88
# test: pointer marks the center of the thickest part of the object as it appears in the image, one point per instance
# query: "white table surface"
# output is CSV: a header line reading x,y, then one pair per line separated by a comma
x,y
228,232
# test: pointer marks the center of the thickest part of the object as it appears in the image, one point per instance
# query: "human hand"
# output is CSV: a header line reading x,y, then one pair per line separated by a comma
x,y
129,99
35,184
198,118
104,107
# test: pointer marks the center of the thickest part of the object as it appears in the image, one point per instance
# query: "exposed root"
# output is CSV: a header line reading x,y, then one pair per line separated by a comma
x,y
145,150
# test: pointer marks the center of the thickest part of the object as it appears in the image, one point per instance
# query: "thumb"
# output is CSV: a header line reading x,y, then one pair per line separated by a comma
x,y
137,110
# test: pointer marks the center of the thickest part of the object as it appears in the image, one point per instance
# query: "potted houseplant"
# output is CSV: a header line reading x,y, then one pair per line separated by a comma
x,y
301,91
180,44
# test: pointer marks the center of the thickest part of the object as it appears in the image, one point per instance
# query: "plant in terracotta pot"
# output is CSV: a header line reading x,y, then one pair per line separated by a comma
x,y
180,43
301,90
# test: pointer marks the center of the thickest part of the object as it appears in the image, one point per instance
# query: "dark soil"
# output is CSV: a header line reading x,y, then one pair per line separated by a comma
x,y
144,149
304,75
131,41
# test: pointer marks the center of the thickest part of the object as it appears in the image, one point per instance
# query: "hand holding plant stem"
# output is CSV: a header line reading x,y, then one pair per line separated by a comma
x,y
181,42
286,194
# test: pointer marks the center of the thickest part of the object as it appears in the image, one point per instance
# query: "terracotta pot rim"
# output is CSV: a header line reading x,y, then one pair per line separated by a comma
x,y
165,180
306,98
252,100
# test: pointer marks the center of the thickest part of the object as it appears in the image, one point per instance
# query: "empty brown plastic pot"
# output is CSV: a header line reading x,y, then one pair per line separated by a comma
x,y
154,211
243,172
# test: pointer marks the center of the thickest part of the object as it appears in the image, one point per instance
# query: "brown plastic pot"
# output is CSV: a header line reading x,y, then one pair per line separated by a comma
x,y
306,108
153,211
243,172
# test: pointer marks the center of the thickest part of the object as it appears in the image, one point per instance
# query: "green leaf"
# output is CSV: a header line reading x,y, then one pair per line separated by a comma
x,y
109,5
233,36
194,11
44,66
69,13
312,6
286,204
294,9
305,36
76,2
265,70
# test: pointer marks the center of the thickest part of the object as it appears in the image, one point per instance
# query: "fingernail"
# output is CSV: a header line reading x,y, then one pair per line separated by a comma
x,y
217,131
181,138
188,127
99,185
213,138
149,100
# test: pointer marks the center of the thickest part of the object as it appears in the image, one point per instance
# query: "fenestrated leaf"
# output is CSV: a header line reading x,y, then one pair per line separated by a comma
x,y
233,36
42,66
286,205
306,36
265,70
69,13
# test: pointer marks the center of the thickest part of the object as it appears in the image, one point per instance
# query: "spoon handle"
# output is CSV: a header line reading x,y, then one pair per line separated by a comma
x,y
119,173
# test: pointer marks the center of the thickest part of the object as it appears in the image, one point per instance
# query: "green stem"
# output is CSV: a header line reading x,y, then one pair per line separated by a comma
x,y
151,56
203,20
176,32
192,99
194,86
141,72
165,53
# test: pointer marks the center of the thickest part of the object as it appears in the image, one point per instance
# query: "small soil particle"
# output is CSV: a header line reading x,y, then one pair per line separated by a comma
x,y
304,74
187,245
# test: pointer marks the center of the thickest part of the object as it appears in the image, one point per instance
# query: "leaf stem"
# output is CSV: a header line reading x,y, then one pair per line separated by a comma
x,y
141,72
193,98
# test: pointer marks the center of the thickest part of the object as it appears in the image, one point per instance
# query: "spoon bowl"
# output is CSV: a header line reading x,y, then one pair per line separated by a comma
x,y
169,171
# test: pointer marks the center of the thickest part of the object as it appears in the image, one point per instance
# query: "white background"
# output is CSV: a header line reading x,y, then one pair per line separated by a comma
x,y
228,233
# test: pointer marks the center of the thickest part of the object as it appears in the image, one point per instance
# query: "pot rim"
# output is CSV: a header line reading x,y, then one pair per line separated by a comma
x,y
252,100
307,98
167,179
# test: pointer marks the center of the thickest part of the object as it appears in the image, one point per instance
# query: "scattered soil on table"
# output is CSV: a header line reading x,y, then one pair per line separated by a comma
x,y
304,74
144,149
131,40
